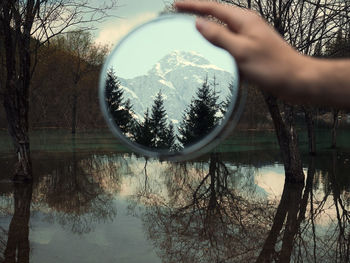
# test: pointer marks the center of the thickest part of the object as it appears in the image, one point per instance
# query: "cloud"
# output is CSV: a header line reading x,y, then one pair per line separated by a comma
x,y
113,32
271,181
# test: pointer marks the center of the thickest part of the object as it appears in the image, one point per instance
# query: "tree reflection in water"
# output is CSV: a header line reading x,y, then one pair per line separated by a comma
x,y
80,192
77,194
342,231
208,211
17,246
206,217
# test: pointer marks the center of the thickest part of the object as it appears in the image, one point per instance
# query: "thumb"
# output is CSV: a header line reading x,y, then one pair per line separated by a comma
x,y
222,37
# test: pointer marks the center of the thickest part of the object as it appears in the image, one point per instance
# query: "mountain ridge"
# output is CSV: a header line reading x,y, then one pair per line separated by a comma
x,y
178,75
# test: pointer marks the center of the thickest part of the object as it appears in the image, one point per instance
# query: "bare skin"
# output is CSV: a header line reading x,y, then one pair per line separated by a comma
x,y
265,59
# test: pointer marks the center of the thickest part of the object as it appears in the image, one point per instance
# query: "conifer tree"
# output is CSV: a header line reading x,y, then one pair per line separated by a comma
x,y
187,126
170,136
201,115
226,103
113,91
154,132
142,132
126,119
158,122
121,111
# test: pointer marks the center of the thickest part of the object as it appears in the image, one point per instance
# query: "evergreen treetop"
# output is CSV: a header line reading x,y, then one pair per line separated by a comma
x,y
154,132
158,121
120,110
201,116
142,132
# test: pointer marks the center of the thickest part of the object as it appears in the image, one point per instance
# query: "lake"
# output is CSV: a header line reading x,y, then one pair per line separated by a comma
x,y
94,201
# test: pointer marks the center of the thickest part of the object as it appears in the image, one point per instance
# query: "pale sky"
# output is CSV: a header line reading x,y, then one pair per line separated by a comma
x,y
136,54
129,14
132,13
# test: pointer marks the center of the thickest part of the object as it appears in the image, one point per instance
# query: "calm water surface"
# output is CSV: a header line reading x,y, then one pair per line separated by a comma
x,y
93,201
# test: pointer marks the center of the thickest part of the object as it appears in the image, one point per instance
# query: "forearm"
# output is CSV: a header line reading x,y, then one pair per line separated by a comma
x,y
265,60
321,82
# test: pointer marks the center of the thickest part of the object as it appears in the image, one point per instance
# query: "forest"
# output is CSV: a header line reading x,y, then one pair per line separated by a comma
x,y
65,84
276,190
64,87
50,81
154,129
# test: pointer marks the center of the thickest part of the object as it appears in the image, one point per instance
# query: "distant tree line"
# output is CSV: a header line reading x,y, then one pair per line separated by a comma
x,y
201,116
338,48
58,100
25,28
63,89
154,131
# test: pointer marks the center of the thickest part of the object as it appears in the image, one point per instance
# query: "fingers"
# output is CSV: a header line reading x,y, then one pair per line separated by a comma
x,y
222,37
234,17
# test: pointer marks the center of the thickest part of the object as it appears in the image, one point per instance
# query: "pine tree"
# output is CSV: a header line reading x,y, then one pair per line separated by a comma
x,y
187,126
126,119
170,136
154,132
113,92
121,111
158,122
226,103
201,115
142,132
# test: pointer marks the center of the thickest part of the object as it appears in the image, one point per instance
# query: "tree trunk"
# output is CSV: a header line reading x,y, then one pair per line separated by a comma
x,y
74,111
292,225
16,95
287,139
310,122
268,250
289,215
16,107
334,128
212,171
284,127
18,247
342,243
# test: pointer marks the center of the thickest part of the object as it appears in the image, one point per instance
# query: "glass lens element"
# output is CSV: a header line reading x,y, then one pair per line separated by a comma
x,y
166,91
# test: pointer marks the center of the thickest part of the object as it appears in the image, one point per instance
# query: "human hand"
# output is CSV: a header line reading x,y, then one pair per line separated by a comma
x,y
263,57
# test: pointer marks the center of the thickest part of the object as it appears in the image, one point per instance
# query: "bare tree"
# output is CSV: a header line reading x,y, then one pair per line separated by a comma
x,y
308,26
338,48
27,25
86,58
203,217
77,199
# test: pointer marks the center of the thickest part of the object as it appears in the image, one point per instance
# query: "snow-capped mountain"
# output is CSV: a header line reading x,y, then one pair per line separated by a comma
x,y
178,75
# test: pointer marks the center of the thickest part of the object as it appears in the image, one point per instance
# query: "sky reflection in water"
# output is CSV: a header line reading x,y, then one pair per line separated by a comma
x,y
100,206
